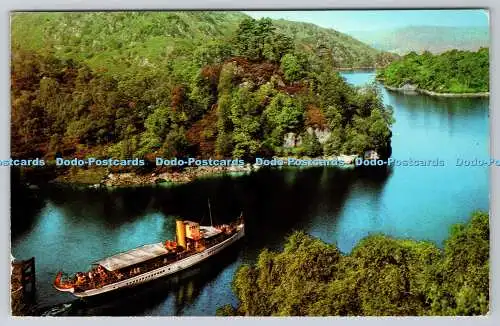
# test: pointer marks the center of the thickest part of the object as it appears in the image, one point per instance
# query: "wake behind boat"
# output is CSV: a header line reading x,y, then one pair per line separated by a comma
x,y
194,243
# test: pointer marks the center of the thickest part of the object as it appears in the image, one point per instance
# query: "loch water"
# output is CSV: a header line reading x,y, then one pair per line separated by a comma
x,y
67,229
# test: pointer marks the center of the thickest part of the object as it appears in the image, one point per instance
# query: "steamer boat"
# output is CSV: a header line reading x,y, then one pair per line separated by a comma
x,y
194,244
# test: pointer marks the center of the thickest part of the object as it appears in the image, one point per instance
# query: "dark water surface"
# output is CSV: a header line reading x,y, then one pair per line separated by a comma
x,y
68,229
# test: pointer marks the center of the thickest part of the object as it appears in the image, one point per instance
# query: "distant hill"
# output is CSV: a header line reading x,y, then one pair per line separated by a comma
x,y
118,40
434,39
346,50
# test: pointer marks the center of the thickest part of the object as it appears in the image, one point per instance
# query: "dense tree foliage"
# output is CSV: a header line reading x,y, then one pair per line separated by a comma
x,y
229,90
381,276
257,40
450,72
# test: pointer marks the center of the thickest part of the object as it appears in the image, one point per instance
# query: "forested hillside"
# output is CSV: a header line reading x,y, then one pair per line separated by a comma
x,y
184,84
119,40
382,276
450,72
122,42
345,50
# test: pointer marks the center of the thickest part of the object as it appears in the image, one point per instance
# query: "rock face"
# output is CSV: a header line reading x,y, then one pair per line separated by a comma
x,y
321,134
371,155
291,139
348,159
409,88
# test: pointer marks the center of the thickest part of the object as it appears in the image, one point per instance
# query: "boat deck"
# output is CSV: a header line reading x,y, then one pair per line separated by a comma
x,y
132,257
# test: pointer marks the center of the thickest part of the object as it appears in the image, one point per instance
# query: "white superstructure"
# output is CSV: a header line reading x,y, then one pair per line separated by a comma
x,y
139,254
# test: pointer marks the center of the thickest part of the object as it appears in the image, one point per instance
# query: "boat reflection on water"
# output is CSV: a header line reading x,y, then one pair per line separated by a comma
x,y
179,291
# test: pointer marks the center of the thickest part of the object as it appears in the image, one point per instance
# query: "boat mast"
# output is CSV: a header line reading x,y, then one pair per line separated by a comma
x,y
210,211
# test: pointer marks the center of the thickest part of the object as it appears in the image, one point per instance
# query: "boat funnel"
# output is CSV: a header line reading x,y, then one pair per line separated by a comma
x,y
181,233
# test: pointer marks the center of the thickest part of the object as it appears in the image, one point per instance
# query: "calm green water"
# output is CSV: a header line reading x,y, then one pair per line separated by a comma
x,y
68,229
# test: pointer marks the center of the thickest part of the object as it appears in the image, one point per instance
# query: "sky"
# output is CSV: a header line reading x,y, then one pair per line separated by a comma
x,y
365,20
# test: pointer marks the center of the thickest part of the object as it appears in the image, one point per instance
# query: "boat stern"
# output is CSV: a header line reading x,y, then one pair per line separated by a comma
x,y
61,285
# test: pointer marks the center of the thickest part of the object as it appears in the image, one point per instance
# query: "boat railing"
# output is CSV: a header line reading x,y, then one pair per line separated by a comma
x,y
99,277
100,280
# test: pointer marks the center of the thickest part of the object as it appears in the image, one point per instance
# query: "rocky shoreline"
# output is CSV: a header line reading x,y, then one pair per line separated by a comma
x,y
355,68
177,177
127,179
408,88
104,178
